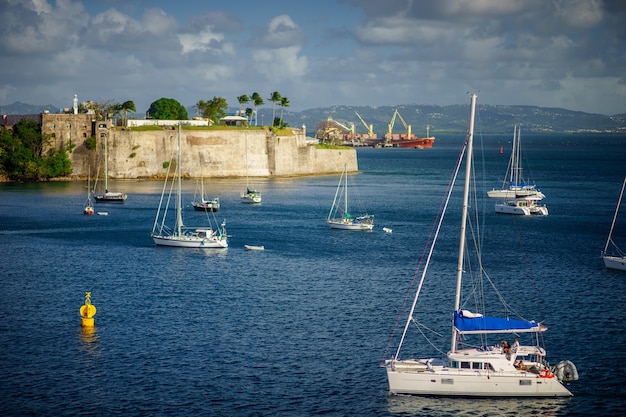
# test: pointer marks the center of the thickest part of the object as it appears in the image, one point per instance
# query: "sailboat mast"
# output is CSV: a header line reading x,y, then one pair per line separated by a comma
x,y
179,202
246,141
345,190
518,151
468,171
106,162
619,202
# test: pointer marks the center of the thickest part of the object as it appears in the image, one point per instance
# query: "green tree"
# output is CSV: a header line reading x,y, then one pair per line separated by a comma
x,y
21,156
275,98
284,102
213,109
242,100
167,109
249,115
257,100
127,106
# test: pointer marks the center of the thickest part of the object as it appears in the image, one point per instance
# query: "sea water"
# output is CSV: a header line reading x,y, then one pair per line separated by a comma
x,y
301,327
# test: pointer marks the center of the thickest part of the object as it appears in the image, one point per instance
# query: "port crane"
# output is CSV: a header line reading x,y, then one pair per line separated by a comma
x,y
407,126
333,129
370,127
348,128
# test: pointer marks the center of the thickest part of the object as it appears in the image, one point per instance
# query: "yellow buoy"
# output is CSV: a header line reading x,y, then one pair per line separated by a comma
x,y
87,311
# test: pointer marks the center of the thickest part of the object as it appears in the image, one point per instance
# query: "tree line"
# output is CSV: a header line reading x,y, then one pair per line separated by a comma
x,y
21,147
214,109
170,109
22,157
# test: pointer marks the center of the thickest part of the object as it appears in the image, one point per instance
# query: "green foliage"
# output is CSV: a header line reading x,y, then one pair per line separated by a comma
x,y
167,109
144,128
213,109
279,123
132,155
57,163
21,156
166,165
329,146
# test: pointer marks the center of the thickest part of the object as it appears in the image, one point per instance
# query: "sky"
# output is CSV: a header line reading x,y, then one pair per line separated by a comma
x,y
551,53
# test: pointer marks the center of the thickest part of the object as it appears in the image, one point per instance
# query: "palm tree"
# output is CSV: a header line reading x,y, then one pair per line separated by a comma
x,y
275,98
258,101
249,114
127,106
242,100
284,102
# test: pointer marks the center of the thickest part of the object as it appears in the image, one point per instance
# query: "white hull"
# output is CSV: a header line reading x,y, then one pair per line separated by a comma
x,y
513,193
511,207
250,199
190,242
615,262
349,225
473,383
254,247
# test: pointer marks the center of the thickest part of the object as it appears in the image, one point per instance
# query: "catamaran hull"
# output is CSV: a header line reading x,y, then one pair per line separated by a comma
x,y
473,383
615,262
531,210
509,194
189,243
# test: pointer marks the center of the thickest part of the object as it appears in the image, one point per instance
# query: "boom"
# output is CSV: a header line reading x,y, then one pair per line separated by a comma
x,y
370,127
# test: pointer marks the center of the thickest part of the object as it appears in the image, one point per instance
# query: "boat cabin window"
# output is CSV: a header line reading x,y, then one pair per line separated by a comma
x,y
470,365
488,366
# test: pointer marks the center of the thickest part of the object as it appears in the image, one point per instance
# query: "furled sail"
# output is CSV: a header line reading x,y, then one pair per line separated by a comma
x,y
467,323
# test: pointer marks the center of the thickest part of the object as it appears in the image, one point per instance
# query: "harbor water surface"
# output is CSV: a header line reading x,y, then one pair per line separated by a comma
x,y
300,328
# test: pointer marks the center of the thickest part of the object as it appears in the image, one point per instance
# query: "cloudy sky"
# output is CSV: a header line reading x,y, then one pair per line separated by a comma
x,y
552,53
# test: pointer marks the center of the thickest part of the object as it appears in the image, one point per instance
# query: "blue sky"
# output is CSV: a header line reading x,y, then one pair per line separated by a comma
x,y
558,53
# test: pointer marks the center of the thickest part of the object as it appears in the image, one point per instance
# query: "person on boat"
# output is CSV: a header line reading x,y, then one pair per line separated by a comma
x,y
520,366
515,345
505,346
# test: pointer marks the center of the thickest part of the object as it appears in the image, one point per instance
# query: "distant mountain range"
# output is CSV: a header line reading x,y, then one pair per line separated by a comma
x,y
453,118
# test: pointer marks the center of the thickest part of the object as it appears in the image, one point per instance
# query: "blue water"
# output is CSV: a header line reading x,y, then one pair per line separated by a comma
x,y
300,328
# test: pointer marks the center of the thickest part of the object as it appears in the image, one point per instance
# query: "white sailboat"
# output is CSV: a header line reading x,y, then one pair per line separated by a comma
x,y
251,196
88,209
339,216
616,259
478,370
514,185
108,196
205,204
182,236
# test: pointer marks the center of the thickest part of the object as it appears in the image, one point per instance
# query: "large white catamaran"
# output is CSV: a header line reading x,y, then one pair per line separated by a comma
x,y
473,368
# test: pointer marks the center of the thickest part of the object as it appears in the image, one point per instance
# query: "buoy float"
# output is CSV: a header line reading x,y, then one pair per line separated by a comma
x,y
87,311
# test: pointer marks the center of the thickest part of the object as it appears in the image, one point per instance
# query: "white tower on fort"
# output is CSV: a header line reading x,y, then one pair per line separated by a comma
x,y
75,104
